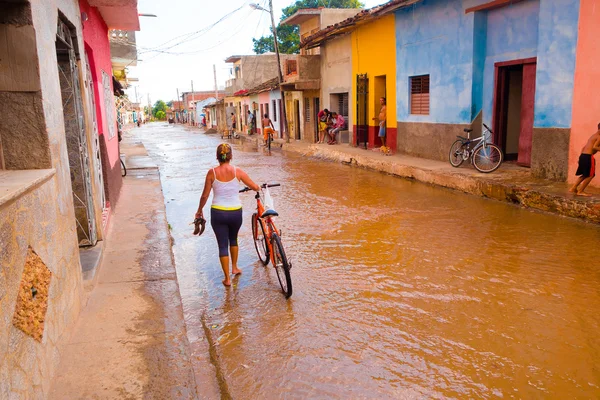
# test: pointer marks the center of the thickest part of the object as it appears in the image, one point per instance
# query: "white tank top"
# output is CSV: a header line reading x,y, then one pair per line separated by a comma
x,y
226,195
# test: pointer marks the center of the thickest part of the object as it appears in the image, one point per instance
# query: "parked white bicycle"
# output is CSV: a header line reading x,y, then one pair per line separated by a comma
x,y
485,156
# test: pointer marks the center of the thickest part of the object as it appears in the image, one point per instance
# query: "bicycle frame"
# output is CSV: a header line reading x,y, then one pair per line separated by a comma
x,y
268,226
482,143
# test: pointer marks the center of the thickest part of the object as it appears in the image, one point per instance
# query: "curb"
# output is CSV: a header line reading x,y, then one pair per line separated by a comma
x,y
529,197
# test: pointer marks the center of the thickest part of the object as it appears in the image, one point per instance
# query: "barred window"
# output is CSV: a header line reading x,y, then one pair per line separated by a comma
x,y
419,95
307,109
274,110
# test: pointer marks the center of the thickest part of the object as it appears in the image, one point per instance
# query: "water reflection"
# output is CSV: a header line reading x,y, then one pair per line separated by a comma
x,y
400,289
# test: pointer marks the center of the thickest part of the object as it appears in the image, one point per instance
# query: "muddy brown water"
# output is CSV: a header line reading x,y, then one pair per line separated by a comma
x,y
401,290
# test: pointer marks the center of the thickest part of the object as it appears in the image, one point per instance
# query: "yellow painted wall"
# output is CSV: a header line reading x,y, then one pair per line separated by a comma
x,y
374,53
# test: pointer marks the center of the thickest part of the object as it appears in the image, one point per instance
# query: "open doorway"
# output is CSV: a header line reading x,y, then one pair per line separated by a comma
x,y
380,85
76,138
297,118
514,109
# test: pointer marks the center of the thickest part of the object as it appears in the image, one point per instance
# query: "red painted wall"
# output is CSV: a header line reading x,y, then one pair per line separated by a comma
x,y
97,48
586,106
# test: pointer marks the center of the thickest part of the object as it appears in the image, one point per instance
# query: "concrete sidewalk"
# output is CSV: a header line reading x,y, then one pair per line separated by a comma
x,y
130,340
510,183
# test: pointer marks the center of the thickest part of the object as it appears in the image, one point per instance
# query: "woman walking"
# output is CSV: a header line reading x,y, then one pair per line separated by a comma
x,y
226,208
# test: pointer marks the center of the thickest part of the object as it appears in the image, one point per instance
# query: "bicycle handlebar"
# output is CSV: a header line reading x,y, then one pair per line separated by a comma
x,y
264,185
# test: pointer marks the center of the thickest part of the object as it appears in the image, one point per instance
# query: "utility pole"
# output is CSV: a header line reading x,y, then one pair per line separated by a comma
x,y
178,108
192,100
279,75
149,107
216,88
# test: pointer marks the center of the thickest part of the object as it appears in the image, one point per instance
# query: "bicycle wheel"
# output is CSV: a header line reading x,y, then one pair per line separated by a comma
x,y
123,169
281,266
269,140
260,241
456,154
487,159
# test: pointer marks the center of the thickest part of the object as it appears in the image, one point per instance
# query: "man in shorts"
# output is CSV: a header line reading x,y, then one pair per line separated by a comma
x,y
586,169
268,128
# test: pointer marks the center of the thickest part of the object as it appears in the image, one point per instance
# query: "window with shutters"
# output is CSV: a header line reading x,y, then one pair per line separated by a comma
x,y
307,109
419,95
273,103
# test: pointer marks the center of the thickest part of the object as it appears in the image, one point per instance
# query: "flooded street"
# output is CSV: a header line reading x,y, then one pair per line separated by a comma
x,y
401,290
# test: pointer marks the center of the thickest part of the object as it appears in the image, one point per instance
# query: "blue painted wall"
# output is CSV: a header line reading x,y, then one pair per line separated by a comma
x,y
512,33
557,44
435,37
459,51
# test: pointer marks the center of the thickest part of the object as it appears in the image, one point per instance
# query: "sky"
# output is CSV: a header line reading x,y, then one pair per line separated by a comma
x,y
209,40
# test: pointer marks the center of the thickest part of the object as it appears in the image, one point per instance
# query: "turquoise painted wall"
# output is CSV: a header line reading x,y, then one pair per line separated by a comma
x,y
512,33
459,51
436,38
557,43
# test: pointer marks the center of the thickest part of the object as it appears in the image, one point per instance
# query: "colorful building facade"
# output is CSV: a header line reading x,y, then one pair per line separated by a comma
x,y
374,68
512,66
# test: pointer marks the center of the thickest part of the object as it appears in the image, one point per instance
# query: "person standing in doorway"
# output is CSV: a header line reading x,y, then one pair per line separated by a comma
x,y
382,118
323,117
226,209
586,170
250,123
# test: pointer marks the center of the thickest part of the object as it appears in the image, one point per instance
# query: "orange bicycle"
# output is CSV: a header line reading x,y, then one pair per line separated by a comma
x,y
267,240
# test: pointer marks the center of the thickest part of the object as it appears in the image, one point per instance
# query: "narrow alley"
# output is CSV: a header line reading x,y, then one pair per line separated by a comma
x,y
401,290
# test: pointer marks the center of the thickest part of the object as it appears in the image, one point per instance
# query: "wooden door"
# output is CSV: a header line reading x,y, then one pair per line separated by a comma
x,y
527,114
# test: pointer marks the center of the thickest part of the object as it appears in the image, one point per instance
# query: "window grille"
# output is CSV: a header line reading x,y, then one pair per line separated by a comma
x,y
343,104
306,109
273,103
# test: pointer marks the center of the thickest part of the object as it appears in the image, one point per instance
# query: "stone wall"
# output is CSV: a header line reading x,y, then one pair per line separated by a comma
x,y
35,219
550,153
43,218
428,140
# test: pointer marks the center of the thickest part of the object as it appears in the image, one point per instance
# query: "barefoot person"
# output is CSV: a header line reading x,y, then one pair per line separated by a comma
x,y
226,209
587,164
267,126
382,122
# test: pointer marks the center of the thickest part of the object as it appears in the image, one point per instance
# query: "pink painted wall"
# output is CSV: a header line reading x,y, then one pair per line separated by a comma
x,y
97,47
586,106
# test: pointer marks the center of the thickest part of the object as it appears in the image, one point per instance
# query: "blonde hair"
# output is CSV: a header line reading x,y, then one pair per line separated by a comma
x,y
224,153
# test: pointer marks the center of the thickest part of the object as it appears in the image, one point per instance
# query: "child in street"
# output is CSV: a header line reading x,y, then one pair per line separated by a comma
x,y
587,165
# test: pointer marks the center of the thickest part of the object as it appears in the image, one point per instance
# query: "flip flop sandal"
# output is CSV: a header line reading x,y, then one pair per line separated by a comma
x,y
199,226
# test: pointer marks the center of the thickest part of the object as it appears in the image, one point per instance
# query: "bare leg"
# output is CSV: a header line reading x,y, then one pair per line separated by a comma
x,y
383,141
574,187
321,136
225,265
234,259
584,184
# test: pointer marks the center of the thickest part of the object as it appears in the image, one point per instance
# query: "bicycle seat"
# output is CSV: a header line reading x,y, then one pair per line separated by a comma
x,y
269,213
468,130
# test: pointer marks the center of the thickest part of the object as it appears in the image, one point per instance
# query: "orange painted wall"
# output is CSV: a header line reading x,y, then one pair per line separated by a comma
x,y
586,93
